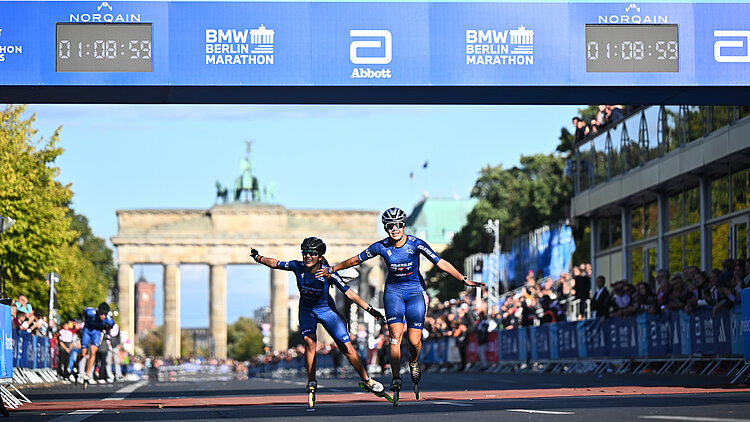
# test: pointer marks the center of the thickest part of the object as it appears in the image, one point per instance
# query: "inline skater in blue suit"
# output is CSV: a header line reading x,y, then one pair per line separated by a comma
x,y
95,321
404,298
317,306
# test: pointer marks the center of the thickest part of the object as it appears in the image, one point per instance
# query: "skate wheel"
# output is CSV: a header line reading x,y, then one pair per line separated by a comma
x,y
416,390
310,401
395,399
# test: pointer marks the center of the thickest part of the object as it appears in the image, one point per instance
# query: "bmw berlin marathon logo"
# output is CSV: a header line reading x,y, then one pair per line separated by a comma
x,y
371,47
240,46
500,47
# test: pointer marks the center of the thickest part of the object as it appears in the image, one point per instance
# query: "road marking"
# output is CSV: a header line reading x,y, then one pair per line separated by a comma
x,y
77,416
125,391
693,418
543,412
80,415
453,404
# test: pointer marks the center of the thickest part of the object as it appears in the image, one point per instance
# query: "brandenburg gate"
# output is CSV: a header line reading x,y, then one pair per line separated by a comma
x,y
221,236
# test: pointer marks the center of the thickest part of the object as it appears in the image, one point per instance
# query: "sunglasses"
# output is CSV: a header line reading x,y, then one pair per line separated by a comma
x,y
391,226
310,252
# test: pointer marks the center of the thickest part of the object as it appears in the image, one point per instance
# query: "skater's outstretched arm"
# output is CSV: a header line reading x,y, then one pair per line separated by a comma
x,y
327,271
354,297
268,262
450,269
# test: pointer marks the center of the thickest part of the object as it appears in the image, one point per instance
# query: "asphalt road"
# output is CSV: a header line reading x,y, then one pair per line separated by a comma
x,y
446,397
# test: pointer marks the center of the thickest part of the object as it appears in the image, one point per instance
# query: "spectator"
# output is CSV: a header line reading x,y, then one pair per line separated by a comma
x,y
680,298
581,130
621,297
548,314
746,280
727,271
601,303
616,114
701,287
643,299
65,347
23,305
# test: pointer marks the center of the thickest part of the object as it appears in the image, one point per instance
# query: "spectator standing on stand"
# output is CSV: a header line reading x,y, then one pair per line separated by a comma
x,y
600,305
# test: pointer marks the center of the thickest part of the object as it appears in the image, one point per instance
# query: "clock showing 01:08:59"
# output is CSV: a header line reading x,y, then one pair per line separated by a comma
x,y
632,48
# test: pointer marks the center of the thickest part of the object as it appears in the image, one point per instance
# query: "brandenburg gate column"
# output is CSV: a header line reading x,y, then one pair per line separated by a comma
x,y
172,310
279,310
217,310
126,299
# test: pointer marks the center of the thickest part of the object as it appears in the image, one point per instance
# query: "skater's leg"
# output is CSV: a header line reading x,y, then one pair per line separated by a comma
x,y
310,356
351,354
91,360
397,335
415,343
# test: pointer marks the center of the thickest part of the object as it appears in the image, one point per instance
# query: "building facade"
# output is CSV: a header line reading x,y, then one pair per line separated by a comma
x,y
667,187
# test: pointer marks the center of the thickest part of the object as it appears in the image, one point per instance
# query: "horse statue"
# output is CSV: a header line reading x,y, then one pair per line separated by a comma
x,y
221,193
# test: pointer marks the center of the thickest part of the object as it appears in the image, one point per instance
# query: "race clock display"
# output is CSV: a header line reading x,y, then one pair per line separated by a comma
x,y
104,47
632,48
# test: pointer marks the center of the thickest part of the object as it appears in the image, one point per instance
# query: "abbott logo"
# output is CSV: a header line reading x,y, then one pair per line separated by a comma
x,y
355,46
744,43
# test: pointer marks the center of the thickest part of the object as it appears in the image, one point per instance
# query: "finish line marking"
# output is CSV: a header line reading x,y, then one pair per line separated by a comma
x,y
80,415
543,412
693,418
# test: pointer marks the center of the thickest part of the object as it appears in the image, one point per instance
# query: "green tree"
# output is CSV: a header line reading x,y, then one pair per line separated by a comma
x,y
152,343
47,235
244,339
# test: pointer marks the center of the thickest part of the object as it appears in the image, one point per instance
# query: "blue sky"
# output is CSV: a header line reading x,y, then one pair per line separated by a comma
x,y
319,157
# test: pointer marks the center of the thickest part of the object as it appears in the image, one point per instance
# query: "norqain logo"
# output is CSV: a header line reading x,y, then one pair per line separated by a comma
x,y
632,15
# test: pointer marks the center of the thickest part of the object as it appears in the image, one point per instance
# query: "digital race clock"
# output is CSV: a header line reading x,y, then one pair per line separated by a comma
x,y
632,48
104,47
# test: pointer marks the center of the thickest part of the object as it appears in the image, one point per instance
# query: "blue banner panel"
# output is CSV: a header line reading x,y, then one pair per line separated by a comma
x,y
16,348
6,346
595,336
540,342
441,350
509,344
26,349
746,321
622,337
653,334
735,322
710,334
676,333
567,340
420,43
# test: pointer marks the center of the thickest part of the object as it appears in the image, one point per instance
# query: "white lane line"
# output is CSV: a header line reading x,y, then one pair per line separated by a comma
x,y
693,418
542,412
447,403
124,391
80,415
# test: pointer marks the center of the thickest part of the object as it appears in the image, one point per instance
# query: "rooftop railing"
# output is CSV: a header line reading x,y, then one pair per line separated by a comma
x,y
644,135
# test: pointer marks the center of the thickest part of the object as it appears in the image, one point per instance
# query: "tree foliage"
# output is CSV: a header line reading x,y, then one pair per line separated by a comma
x,y
47,235
244,339
522,198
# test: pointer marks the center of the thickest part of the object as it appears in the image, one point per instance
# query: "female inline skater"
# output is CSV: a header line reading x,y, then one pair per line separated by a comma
x,y
404,298
317,306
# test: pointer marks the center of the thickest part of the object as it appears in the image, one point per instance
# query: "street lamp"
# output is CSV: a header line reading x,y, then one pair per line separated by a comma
x,y
493,227
5,223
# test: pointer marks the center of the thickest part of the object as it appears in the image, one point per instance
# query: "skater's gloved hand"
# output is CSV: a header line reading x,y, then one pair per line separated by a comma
x,y
255,255
374,312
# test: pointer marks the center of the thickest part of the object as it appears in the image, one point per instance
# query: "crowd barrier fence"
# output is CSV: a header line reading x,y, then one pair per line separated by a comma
x,y
669,334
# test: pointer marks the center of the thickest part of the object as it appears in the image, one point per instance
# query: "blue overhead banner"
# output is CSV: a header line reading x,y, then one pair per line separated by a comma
x,y
419,43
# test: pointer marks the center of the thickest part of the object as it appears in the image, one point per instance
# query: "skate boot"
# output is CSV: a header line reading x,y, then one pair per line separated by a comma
x,y
374,387
416,375
396,388
312,388
85,381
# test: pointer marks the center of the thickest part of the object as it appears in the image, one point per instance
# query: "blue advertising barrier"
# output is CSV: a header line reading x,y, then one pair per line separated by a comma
x,y
595,338
509,344
567,340
6,345
540,342
621,340
653,335
745,330
709,333
28,351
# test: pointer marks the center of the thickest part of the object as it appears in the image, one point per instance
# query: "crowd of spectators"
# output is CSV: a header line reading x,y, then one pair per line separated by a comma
x,y
607,115
66,342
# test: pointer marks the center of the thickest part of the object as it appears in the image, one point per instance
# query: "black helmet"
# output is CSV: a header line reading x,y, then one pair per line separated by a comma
x,y
103,308
313,243
393,215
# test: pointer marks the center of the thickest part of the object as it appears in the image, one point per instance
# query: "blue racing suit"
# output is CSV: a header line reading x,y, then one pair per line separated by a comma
x,y
93,327
404,298
315,304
